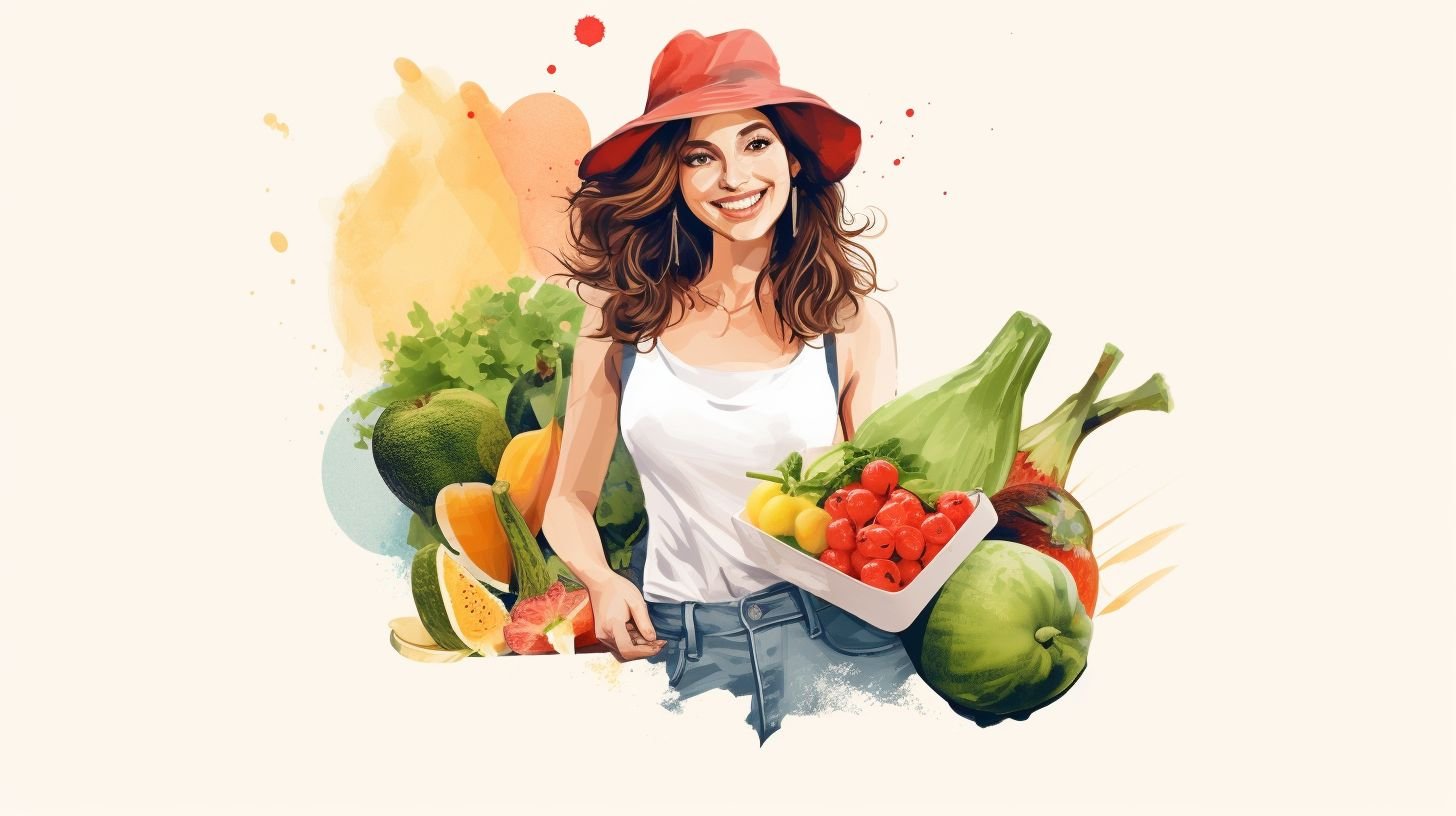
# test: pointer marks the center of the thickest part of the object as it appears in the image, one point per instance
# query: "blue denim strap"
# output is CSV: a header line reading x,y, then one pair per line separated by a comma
x,y
832,359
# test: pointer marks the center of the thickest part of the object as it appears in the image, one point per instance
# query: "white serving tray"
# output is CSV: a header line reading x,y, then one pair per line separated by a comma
x,y
890,611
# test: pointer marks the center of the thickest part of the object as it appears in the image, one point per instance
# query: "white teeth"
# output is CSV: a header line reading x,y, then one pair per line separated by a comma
x,y
744,204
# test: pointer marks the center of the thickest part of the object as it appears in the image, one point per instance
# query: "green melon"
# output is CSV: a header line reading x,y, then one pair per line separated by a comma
x,y
441,438
457,611
1005,634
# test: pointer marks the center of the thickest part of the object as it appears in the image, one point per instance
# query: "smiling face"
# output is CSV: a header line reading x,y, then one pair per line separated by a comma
x,y
735,174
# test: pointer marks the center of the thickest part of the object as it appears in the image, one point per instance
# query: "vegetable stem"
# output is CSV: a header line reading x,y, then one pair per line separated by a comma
x,y
1046,633
1152,395
767,477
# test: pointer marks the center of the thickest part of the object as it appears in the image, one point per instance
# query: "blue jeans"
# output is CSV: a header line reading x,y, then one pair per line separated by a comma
x,y
774,645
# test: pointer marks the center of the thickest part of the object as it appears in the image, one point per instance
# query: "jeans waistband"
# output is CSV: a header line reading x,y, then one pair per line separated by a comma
x,y
771,606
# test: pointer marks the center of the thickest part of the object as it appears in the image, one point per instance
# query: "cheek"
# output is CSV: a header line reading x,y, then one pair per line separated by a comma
x,y
695,185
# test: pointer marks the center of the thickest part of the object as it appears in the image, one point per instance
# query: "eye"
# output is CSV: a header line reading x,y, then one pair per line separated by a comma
x,y
691,160
760,140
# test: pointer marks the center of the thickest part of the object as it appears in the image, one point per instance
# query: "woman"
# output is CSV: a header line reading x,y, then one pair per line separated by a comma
x,y
710,229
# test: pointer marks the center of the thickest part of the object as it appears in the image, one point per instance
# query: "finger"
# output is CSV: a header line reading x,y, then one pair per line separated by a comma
x,y
640,616
637,637
623,640
635,651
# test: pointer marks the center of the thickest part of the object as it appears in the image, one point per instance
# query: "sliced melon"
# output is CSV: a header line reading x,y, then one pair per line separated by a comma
x,y
425,654
456,610
471,526
411,630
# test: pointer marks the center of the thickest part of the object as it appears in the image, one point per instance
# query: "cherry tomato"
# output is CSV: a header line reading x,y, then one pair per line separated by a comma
x,y
909,543
839,559
881,573
956,506
914,511
837,505
892,514
875,541
880,477
857,560
901,494
840,534
854,486
863,505
937,529
908,571
931,551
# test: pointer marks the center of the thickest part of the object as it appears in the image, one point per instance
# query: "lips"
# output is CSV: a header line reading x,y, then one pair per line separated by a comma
x,y
734,206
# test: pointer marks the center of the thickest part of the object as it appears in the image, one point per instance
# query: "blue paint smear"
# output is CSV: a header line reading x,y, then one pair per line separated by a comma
x,y
362,505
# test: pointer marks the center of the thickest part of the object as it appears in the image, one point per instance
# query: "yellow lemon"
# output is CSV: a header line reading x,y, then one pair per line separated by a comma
x,y
778,514
758,498
809,529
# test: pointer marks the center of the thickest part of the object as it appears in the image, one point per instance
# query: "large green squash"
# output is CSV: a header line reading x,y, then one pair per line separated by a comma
x,y
1006,633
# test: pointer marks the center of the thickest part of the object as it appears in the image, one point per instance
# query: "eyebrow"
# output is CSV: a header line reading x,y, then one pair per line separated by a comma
x,y
747,130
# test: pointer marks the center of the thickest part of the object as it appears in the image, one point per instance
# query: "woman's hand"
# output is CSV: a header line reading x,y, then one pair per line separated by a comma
x,y
621,618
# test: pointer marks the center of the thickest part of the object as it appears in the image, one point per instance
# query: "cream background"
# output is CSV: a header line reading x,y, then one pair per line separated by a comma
x,y
1254,198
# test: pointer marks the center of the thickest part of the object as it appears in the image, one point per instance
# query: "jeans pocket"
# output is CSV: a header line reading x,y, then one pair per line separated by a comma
x,y
850,636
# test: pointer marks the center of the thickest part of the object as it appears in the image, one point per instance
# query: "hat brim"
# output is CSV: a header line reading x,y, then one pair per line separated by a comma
x,y
834,138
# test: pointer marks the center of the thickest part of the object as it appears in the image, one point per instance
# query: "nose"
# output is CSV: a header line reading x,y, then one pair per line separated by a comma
x,y
735,174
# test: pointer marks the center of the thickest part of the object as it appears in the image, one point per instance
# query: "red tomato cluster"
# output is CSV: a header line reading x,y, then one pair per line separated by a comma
x,y
880,532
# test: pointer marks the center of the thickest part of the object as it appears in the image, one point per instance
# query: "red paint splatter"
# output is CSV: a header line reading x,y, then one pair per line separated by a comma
x,y
576,162
470,114
909,111
551,69
897,162
589,30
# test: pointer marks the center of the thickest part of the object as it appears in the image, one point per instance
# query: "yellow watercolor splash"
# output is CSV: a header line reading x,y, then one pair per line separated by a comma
x,y
271,120
608,670
461,198
279,241
1133,591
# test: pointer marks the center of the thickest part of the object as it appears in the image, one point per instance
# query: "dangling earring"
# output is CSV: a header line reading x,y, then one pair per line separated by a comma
x,y
794,210
674,236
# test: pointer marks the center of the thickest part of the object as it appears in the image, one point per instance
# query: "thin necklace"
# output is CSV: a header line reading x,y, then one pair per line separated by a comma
x,y
717,305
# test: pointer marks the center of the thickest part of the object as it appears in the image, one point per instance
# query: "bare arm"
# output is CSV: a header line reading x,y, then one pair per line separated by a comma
x,y
618,609
872,363
586,451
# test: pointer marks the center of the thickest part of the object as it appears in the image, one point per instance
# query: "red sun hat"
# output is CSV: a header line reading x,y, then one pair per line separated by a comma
x,y
696,76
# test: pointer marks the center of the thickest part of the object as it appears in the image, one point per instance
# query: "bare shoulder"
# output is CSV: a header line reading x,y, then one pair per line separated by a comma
x,y
871,325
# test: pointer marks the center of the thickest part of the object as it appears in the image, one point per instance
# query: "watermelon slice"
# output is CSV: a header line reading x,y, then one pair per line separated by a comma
x,y
556,622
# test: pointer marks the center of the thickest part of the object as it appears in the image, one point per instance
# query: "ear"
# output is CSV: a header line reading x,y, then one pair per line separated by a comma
x,y
793,167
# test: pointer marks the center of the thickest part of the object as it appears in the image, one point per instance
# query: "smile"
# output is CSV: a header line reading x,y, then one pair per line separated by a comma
x,y
744,206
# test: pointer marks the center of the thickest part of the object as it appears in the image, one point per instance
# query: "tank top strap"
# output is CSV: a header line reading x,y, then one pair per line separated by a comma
x,y
832,360
629,357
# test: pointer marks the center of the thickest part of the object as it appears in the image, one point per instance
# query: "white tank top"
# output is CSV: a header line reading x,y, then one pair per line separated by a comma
x,y
694,433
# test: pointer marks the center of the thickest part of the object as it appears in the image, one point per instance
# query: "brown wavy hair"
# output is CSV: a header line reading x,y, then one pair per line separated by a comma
x,y
620,237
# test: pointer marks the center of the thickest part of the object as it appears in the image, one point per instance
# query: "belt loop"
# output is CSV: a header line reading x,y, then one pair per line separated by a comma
x,y
694,649
811,618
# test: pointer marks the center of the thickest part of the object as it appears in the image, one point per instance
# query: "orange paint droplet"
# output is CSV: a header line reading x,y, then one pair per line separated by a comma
x,y
470,114
909,111
589,30
271,120
551,69
279,242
